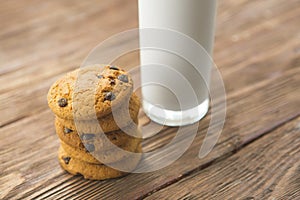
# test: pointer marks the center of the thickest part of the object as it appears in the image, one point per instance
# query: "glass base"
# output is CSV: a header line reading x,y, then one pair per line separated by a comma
x,y
175,118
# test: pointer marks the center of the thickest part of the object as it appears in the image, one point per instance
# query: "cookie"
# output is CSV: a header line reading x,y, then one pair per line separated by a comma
x,y
123,117
95,171
108,155
90,91
72,138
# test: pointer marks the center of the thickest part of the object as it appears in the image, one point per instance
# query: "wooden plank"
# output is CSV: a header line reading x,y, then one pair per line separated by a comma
x,y
43,177
59,38
266,169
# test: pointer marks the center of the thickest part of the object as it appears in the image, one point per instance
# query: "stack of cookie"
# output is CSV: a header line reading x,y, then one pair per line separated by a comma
x,y
87,103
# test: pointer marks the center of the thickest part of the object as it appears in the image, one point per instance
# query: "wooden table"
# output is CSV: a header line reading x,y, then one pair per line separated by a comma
x,y
257,50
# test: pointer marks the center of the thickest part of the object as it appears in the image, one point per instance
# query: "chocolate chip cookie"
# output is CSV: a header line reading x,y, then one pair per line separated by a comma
x,y
69,135
90,92
95,171
107,156
121,118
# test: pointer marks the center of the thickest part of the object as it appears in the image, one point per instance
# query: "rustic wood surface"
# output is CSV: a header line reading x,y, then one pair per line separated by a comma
x,y
266,168
257,50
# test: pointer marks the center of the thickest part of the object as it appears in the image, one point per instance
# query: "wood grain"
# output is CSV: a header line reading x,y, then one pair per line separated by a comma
x,y
257,51
266,169
235,135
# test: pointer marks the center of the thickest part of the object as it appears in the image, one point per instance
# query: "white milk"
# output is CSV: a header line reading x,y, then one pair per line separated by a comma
x,y
176,95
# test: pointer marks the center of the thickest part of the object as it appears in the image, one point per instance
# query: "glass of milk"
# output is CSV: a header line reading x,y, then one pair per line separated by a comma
x,y
174,94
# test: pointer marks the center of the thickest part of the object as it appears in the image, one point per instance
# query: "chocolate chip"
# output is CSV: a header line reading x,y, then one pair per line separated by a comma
x,y
87,136
66,159
112,82
113,68
109,96
99,76
67,130
89,147
62,102
123,78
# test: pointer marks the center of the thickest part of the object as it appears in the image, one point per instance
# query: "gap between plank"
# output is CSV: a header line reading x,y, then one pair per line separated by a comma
x,y
14,120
